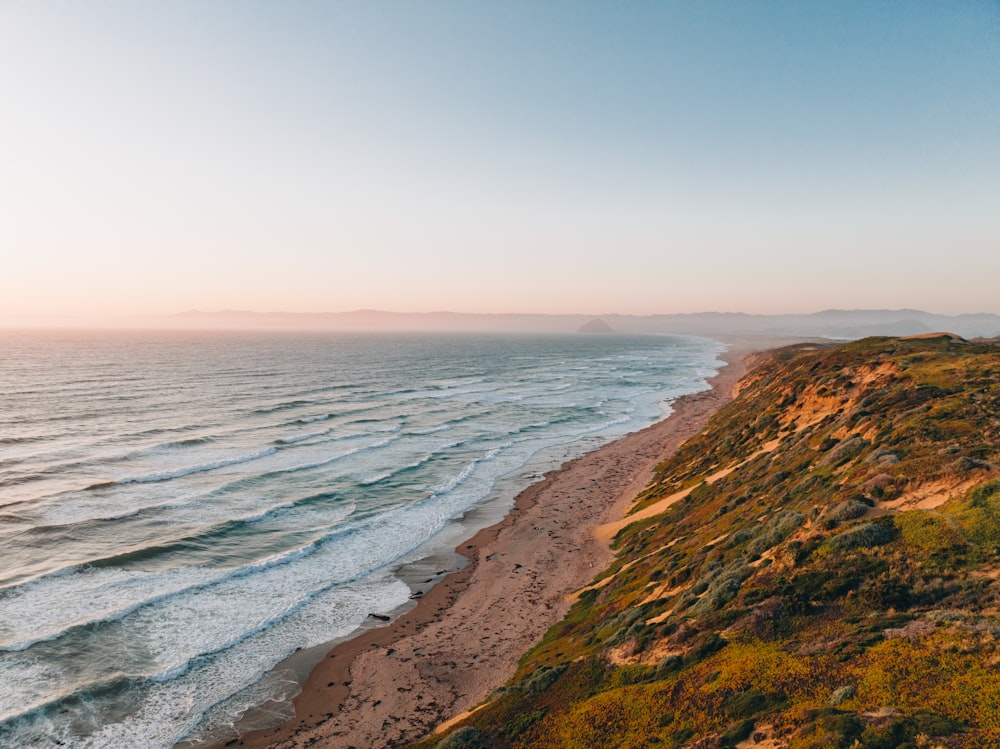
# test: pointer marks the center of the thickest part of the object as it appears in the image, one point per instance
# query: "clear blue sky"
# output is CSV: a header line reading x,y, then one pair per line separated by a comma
x,y
592,157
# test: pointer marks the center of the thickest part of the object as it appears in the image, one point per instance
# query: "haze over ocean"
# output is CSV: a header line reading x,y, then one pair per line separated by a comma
x,y
181,511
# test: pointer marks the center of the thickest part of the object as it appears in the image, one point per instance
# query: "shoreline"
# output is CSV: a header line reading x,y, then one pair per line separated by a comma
x,y
397,682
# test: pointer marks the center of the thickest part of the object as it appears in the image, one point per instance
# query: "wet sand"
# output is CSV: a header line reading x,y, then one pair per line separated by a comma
x,y
397,683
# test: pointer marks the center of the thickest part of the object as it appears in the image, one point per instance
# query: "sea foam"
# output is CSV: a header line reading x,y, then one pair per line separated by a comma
x,y
255,496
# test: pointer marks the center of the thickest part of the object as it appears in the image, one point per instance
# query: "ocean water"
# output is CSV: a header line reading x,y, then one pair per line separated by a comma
x,y
179,512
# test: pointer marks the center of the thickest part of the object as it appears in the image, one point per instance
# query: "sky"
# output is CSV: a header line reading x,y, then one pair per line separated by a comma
x,y
761,156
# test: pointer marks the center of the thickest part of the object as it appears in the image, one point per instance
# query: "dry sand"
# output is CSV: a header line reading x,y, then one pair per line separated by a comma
x,y
399,682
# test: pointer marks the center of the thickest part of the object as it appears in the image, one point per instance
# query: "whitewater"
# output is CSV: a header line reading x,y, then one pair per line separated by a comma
x,y
180,512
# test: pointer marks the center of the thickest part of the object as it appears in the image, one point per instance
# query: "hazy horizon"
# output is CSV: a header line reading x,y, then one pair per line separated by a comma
x,y
535,158
828,323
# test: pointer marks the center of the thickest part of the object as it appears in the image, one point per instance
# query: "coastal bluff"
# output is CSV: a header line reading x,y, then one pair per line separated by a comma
x,y
818,567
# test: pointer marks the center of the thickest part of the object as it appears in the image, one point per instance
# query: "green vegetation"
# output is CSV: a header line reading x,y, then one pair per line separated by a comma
x,y
840,587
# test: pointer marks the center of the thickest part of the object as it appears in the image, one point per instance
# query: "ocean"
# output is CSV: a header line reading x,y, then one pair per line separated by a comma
x,y
182,511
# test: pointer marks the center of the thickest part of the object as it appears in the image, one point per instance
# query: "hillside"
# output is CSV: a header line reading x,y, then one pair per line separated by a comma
x,y
818,568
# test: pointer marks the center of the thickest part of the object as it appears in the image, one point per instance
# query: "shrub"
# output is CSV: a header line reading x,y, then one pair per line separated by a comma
x,y
979,515
624,676
847,510
841,695
742,536
463,738
752,702
864,536
932,534
845,451
669,665
705,646
543,678
522,722
736,733
982,495
721,591
775,530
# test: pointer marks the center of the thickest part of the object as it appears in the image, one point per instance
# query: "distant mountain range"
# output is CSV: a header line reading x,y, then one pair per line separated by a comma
x,y
845,324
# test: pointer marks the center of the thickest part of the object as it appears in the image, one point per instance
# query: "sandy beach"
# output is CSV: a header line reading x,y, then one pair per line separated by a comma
x,y
399,682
